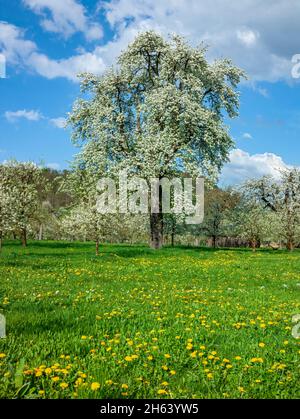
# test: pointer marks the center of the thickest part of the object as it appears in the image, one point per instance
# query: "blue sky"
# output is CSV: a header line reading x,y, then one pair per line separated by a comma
x,y
47,42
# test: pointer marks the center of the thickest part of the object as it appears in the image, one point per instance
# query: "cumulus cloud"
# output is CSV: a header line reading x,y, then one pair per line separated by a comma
x,y
68,68
58,122
245,33
247,136
13,45
243,30
65,17
19,51
30,115
244,166
247,37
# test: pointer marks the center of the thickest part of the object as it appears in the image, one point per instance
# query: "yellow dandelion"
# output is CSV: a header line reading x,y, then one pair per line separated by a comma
x,y
162,391
95,386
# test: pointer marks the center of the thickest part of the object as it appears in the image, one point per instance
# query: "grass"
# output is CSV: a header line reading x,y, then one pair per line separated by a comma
x,y
136,323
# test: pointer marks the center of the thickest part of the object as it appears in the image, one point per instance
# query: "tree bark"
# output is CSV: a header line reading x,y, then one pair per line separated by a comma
x,y
173,234
41,232
156,229
0,241
214,241
253,245
97,247
290,245
24,237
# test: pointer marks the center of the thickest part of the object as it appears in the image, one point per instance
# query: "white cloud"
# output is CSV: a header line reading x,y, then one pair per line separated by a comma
x,y
13,45
31,115
249,23
68,68
19,51
245,33
247,136
58,122
65,17
244,166
247,37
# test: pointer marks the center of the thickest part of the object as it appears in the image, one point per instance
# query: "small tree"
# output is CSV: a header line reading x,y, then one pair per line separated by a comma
x,y
283,198
20,182
218,204
158,114
86,223
253,224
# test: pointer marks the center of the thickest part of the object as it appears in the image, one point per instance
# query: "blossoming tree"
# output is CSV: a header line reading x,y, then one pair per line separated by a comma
x,y
158,114
19,184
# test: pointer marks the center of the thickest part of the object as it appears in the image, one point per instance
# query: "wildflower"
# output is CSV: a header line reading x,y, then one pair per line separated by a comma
x,y
55,379
238,358
64,385
257,360
128,358
48,371
41,392
161,391
78,382
124,386
167,356
109,382
95,386
2,355
172,372
261,345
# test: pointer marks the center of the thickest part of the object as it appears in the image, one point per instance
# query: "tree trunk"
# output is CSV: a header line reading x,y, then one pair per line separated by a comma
x,y
214,241
41,232
0,241
24,237
173,235
156,228
253,245
290,245
97,247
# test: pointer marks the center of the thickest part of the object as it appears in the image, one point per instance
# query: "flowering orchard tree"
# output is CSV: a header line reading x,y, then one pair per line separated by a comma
x,y
252,223
282,198
159,113
85,222
19,182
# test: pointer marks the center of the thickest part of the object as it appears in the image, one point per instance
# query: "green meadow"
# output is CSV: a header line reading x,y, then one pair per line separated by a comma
x,y
137,323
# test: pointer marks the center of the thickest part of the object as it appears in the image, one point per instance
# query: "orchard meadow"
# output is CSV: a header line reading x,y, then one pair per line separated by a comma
x,y
139,323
